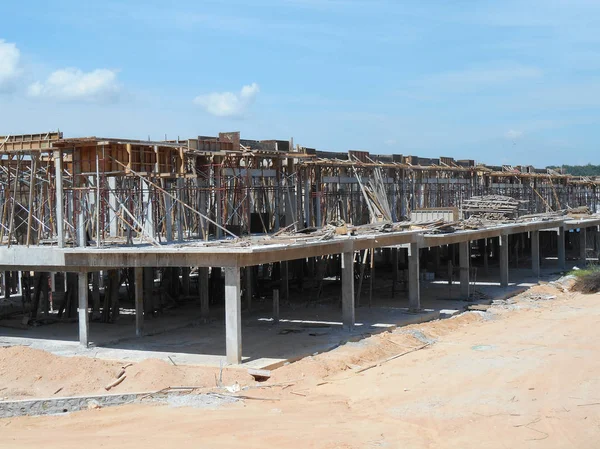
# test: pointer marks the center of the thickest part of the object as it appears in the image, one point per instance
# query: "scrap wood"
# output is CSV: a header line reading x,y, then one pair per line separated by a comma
x,y
392,358
115,382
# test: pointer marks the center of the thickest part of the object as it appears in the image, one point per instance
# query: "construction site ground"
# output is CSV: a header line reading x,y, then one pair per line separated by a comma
x,y
179,336
521,373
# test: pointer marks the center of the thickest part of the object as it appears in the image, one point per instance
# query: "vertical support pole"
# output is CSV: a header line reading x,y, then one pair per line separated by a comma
x,y
464,261
58,168
218,195
203,286
169,218
233,315
562,257
113,206
275,306
180,196
185,280
248,289
348,290
139,301
285,287
83,309
96,293
486,255
535,253
395,272
148,290
583,246
504,260
414,294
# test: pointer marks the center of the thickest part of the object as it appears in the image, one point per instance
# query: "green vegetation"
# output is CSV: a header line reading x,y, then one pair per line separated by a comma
x,y
586,271
588,280
578,170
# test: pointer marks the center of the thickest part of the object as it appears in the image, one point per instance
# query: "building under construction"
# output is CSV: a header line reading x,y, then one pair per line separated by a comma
x,y
88,224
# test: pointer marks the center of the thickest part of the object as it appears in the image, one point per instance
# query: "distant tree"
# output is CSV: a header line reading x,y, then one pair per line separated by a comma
x,y
578,170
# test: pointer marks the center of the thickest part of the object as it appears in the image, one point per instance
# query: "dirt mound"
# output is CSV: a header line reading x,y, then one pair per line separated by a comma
x,y
27,373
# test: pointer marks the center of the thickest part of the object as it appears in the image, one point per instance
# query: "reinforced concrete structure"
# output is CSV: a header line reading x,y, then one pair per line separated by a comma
x,y
82,217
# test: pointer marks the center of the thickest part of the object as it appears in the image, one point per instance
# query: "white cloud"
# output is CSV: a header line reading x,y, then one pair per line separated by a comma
x,y
10,70
72,84
228,104
513,134
391,142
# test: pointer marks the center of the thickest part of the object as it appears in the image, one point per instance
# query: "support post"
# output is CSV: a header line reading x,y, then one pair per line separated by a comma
x,y
248,289
464,261
348,290
60,233
504,260
113,207
285,286
275,306
583,246
83,309
562,257
535,253
486,253
414,294
233,315
139,301
203,286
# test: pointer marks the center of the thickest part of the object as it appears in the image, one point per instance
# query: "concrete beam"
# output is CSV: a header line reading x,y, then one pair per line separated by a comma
x,y
233,315
83,309
348,290
535,253
464,259
504,260
562,256
139,301
414,293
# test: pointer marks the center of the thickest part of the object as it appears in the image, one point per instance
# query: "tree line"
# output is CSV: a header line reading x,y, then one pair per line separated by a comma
x,y
577,170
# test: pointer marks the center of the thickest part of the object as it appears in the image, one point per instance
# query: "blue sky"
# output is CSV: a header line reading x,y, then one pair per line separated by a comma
x,y
514,82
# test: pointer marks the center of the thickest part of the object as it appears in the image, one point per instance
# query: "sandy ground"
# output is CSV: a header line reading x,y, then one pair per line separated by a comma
x,y
526,374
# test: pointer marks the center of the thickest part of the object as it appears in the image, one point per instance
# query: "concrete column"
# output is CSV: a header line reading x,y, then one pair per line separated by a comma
x,y
583,246
414,294
276,306
60,233
233,315
139,301
535,253
348,290
562,257
464,256
504,260
83,309
203,287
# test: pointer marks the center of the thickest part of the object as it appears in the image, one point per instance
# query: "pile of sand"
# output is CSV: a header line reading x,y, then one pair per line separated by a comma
x,y
26,373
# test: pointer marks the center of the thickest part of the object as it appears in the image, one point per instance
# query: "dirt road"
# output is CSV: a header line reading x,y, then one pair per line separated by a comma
x,y
525,376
